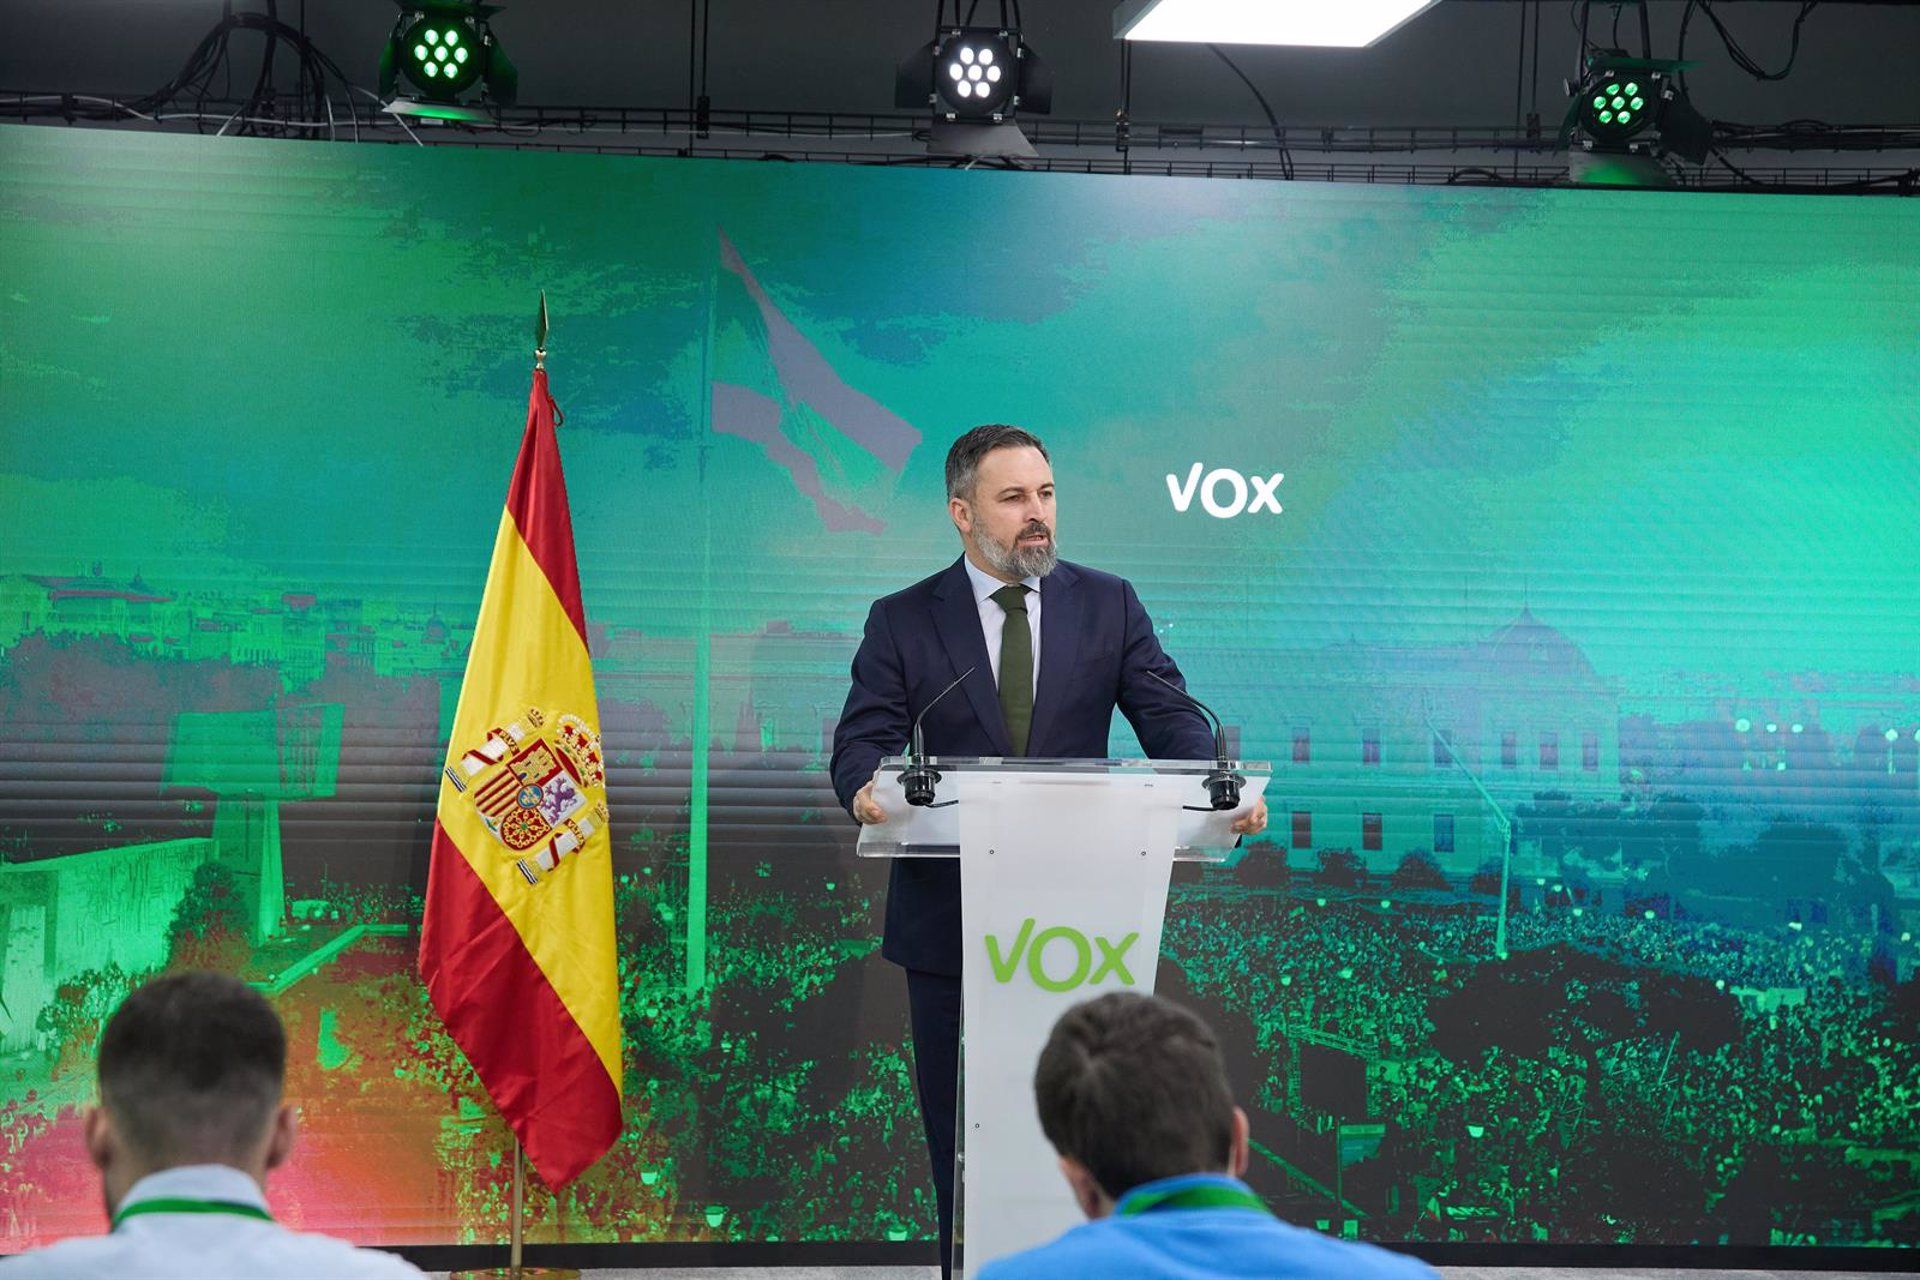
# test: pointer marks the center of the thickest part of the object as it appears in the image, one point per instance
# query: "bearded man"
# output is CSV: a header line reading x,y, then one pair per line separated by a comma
x,y
1053,649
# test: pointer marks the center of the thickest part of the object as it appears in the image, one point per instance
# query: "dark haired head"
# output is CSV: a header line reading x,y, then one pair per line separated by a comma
x,y
1132,1087
963,458
191,1067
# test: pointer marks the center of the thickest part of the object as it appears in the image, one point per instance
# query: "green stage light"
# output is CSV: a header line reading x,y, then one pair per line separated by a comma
x,y
1613,110
446,53
1634,106
433,42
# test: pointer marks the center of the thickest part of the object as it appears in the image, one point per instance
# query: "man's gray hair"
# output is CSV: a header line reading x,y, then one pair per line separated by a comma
x,y
963,459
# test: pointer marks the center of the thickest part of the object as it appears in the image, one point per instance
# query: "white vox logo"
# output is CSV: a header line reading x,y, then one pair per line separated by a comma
x,y
1237,489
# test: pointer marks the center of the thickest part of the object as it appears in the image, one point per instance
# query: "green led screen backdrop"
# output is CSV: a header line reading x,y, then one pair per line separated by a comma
x,y
1583,514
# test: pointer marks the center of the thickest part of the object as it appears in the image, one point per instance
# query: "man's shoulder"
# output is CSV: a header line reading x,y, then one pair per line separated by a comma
x,y
1084,577
344,1260
1092,1248
288,1252
1226,1245
1350,1257
919,593
88,1255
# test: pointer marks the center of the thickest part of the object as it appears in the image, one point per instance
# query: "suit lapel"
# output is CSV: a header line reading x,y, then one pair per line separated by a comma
x,y
957,619
1059,652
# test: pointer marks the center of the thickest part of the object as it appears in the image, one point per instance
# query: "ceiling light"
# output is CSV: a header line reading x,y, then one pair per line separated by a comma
x,y
978,74
1350,24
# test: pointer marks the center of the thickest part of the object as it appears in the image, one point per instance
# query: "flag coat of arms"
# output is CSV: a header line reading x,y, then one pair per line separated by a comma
x,y
517,943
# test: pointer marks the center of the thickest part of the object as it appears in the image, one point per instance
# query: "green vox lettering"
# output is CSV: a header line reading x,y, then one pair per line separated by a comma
x,y
1003,969
1005,961
1082,958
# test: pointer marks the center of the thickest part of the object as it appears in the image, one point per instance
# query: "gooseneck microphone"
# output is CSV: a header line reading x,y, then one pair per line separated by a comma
x,y
919,779
1223,784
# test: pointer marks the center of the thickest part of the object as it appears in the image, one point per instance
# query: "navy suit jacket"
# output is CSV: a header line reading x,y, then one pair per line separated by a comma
x,y
1096,644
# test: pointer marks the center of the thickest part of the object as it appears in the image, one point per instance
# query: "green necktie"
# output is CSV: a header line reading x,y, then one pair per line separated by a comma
x,y
1016,666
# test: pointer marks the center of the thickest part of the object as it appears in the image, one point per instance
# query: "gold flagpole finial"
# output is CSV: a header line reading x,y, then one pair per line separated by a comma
x,y
540,334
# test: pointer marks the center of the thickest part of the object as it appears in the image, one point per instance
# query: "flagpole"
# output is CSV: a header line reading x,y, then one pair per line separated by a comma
x,y
517,1210
516,1228
516,1268
697,799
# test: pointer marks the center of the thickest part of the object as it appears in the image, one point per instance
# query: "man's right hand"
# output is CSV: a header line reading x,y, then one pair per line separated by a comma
x,y
865,808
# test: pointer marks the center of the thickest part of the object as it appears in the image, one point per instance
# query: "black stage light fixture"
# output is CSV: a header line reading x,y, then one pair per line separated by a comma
x,y
976,74
1683,130
446,53
1635,106
1616,105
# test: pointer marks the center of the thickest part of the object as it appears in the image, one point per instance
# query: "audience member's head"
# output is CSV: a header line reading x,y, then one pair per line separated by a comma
x,y
1131,1089
191,1067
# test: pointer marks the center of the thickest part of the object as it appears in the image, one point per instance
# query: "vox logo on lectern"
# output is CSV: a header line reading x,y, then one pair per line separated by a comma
x,y
1225,493
1060,958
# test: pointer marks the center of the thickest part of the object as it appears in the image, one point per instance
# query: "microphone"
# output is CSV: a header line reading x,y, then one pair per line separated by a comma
x,y
919,778
1223,784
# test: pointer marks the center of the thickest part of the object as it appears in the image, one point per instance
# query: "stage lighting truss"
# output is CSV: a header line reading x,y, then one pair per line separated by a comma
x,y
444,50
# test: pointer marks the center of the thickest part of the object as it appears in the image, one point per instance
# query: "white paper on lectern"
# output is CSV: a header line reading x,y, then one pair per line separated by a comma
x,y
941,826
1086,852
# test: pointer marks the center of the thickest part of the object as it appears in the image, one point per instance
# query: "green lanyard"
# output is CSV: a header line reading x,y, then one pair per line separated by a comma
x,y
1200,1197
163,1205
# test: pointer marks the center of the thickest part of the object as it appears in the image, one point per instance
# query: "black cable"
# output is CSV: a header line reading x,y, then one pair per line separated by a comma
x,y
257,103
1533,105
1519,79
1585,8
1279,136
213,55
1741,58
703,105
1907,183
1680,51
1735,169
226,90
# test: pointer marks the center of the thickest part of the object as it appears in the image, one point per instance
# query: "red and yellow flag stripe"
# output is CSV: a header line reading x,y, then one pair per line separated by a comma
x,y
517,943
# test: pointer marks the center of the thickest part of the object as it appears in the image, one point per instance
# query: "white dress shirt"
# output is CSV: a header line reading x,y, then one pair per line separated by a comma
x,y
993,619
187,1245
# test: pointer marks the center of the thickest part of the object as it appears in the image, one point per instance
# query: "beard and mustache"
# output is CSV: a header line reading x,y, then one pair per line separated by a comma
x,y
1014,560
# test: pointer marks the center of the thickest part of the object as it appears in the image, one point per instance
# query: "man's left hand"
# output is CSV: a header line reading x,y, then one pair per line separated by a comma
x,y
1253,821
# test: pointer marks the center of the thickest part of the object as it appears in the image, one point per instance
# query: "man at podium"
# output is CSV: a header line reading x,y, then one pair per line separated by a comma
x,y
1048,650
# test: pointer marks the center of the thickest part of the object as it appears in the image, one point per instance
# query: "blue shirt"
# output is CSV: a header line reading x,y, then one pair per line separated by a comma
x,y
1200,1244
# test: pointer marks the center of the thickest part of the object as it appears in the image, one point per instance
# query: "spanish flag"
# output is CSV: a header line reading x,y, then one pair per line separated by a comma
x,y
516,946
